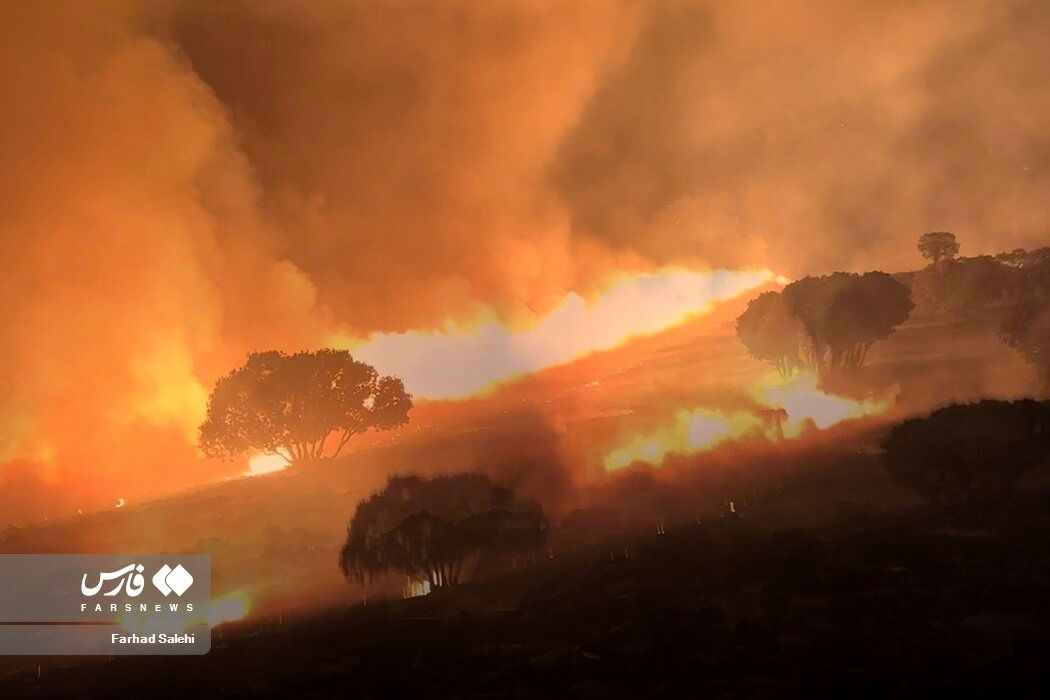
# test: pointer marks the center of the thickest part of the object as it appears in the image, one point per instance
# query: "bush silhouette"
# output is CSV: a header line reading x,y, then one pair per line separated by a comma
x,y
969,456
427,529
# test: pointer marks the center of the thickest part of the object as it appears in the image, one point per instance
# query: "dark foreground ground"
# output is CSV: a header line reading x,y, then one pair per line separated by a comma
x,y
866,602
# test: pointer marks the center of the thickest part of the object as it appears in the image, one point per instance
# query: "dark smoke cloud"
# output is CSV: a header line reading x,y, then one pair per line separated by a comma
x,y
403,146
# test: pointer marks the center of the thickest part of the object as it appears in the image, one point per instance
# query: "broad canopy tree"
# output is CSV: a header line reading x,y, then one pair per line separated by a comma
x,y
427,529
304,407
826,322
937,246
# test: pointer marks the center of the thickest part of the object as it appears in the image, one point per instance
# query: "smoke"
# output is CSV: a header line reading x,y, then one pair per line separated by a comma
x,y
404,147
815,136
181,183
139,262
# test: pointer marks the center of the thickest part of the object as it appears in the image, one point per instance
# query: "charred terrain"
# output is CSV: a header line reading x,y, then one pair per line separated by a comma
x,y
818,584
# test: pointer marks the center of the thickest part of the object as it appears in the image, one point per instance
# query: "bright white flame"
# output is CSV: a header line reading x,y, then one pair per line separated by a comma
x,y
264,464
458,362
803,401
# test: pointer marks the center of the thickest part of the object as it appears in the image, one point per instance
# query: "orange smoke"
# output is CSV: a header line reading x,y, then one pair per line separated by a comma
x,y
153,239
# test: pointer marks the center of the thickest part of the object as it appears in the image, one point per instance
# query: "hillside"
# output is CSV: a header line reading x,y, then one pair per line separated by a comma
x,y
274,538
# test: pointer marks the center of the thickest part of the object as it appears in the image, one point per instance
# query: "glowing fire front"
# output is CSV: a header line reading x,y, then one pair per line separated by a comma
x,y
692,431
793,405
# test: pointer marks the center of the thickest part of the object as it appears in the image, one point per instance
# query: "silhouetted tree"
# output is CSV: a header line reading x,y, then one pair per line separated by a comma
x,y
292,405
428,528
843,314
969,455
938,246
770,333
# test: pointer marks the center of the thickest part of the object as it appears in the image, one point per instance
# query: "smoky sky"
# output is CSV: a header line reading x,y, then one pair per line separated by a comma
x,y
817,136
183,182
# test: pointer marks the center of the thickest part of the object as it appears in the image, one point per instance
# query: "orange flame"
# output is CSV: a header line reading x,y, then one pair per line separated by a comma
x,y
458,362
263,463
692,431
805,403
702,428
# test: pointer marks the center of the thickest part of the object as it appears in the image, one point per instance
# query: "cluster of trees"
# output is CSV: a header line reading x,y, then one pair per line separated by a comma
x,y
970,456
1013,286
960,287
427,529
824,323
304,407
940,247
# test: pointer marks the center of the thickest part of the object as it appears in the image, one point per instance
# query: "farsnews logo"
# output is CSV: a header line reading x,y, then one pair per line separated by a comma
x,y
120,602
130,580
169,580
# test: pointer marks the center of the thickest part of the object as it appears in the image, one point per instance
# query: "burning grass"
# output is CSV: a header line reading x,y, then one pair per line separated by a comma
x,y
784,409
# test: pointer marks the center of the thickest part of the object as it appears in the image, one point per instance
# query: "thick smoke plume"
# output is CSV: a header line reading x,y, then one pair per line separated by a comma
x,y
183,182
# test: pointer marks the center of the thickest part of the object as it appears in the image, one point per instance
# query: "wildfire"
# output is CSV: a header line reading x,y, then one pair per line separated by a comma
x,y
457,362
692,431
805,403
793,403
263,463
